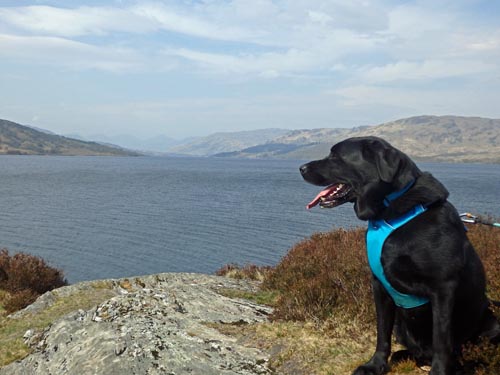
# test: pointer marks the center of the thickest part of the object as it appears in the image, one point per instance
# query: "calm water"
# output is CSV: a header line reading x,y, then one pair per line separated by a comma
x,y
102,217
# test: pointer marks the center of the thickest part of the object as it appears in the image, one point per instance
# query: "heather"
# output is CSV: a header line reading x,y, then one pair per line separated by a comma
x,y
24,277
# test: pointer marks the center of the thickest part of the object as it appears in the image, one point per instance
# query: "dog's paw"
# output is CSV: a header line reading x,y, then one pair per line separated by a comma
x,y
372,369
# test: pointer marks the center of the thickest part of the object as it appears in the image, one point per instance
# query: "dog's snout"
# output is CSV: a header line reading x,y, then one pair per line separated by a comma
x,y
304,168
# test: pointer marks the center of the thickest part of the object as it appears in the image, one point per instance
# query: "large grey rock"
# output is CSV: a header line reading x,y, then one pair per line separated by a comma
x,y
158,324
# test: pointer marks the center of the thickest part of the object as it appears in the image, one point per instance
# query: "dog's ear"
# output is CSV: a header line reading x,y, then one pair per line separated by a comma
x,y
388,162
393,166
386,158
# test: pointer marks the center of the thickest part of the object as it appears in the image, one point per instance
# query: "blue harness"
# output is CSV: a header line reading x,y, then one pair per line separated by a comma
x,y
377,233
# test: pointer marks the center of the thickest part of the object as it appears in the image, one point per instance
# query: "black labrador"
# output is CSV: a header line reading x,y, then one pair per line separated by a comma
x,y
428,256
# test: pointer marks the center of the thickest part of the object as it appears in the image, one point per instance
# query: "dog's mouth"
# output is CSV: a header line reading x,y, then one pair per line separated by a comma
x,y
334,195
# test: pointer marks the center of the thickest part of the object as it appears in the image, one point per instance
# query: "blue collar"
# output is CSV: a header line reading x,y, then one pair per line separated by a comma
x,y
396,194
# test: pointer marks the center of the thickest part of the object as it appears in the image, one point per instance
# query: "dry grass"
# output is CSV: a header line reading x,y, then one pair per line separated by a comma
x,y
249,271
12,346
302,348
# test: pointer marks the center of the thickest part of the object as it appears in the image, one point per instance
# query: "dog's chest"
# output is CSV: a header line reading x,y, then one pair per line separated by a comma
x,y
378,231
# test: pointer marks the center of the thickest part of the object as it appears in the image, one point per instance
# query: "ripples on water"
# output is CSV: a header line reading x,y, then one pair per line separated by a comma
x,y
102,217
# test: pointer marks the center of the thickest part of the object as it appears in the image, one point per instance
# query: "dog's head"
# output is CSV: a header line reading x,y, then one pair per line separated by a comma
x,y
365,170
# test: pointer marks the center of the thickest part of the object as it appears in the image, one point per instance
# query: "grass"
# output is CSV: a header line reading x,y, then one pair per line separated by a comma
x,y
12,346
262,297
249,271
304,348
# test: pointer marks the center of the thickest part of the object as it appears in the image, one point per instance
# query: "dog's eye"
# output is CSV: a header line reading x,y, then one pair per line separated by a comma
x,y
334,154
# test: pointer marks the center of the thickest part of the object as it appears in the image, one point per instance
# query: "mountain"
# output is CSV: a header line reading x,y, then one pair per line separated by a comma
x,y
226,142
425,138
16,139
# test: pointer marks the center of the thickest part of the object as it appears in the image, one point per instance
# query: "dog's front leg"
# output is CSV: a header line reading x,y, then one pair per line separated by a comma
x,y
385,307
443,362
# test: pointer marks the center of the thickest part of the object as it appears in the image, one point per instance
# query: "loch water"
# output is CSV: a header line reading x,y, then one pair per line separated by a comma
x,y
107,217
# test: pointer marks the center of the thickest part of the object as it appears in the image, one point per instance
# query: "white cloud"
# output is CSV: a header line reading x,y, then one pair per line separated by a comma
x,y
410,21
147,17
323,54
320,17
426,70
266,65
404,101
67,22
170,19
411,41
67,53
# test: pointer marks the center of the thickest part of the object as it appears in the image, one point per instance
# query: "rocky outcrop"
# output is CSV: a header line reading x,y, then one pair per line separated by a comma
x,y
158,324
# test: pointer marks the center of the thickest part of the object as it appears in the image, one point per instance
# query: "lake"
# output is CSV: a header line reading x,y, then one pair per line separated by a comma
x,y
107,217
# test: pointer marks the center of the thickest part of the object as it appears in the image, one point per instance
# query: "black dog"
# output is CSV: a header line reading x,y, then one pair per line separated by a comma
x,y
428,258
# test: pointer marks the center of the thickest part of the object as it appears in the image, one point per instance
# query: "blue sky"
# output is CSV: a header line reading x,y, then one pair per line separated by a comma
x,y
194,67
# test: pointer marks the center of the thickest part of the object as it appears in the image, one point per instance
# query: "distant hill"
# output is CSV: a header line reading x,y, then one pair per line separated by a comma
x,y
432,138
16,139
227,142
148,145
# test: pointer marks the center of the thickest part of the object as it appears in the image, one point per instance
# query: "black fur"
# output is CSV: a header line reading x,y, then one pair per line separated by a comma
x,y
430,256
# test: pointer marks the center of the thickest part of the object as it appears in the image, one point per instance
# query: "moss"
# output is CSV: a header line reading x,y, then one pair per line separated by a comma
x,y
12,346
262,297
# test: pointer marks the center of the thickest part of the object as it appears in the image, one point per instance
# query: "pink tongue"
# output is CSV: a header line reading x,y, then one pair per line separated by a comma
x,y
322,193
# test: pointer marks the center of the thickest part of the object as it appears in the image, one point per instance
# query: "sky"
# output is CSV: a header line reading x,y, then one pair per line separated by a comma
x,y
188,68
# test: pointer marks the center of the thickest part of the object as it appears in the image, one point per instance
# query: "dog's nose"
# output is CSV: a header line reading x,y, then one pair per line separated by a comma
x,y
303,169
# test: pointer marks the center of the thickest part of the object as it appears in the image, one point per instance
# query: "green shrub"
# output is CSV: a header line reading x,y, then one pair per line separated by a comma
x,y
25,277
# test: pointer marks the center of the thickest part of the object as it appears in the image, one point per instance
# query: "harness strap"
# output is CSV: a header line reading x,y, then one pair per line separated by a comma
x,y
377,233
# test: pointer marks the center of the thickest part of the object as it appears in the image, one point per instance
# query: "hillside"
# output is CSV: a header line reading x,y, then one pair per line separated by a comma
x,y
17,139
224,142
436,138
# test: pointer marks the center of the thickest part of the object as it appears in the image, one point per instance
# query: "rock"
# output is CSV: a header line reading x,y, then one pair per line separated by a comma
x,y
163,324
